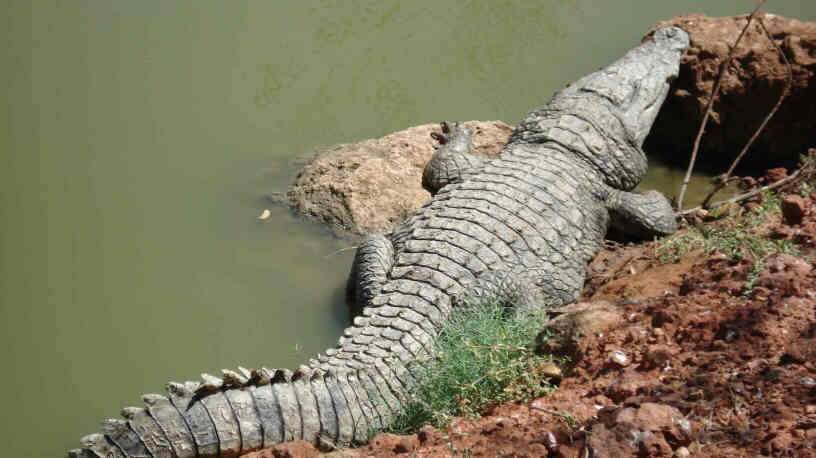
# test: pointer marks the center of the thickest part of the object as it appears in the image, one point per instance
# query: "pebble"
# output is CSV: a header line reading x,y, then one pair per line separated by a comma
x,y
618,357
551,370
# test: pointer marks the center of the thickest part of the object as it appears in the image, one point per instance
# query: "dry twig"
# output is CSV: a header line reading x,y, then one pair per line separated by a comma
x,y
725,178
804,172
714,93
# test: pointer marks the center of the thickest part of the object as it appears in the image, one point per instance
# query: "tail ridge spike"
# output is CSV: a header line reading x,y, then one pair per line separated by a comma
x,y
97,445
316,374
233,379
152,399
282,375
179,390
300,373
262,376
125,438
129,412
209,384
245,372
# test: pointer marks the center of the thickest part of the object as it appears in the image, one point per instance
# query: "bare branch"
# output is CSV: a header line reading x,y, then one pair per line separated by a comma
x,y
724,180
714,93
804,171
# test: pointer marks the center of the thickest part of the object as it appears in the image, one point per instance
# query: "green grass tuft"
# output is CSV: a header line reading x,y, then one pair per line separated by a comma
x,y
737,237
806,189
484,356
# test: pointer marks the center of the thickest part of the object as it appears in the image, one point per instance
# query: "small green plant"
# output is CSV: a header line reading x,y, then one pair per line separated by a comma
x,y
466,453
768,203
735,241
720,211
805,189
484,356
753,275
739,237
673,248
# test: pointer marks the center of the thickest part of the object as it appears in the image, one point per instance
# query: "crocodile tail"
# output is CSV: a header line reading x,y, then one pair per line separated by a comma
x,y
246,410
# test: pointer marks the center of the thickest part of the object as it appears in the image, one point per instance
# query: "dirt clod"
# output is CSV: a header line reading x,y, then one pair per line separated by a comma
x,y
755,79
793,208
566,333
775,174
294,449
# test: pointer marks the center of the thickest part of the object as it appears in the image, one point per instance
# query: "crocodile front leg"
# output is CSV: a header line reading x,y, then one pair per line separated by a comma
x,y
453,161
641,215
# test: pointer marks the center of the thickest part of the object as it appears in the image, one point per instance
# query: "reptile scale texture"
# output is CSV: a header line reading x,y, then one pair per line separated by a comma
x,y
520,227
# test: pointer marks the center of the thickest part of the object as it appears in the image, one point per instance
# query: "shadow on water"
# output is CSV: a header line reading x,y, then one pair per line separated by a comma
x,y
667,177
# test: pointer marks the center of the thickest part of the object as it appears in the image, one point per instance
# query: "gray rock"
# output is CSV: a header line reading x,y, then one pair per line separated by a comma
x,y
372,186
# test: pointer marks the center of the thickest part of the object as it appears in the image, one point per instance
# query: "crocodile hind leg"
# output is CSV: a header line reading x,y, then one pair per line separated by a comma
x,y
453,160
521,290
372,262
641,215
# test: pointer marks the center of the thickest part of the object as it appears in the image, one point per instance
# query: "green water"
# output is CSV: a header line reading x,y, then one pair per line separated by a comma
x,y
137,141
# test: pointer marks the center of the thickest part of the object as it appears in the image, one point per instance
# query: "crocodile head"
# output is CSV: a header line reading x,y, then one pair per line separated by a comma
x,y
633,89
605,116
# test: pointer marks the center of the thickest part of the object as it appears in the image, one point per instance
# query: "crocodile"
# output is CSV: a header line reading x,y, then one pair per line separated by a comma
x,y
519,227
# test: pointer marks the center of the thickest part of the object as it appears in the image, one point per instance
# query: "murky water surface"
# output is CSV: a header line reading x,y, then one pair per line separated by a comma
x,y
138,139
